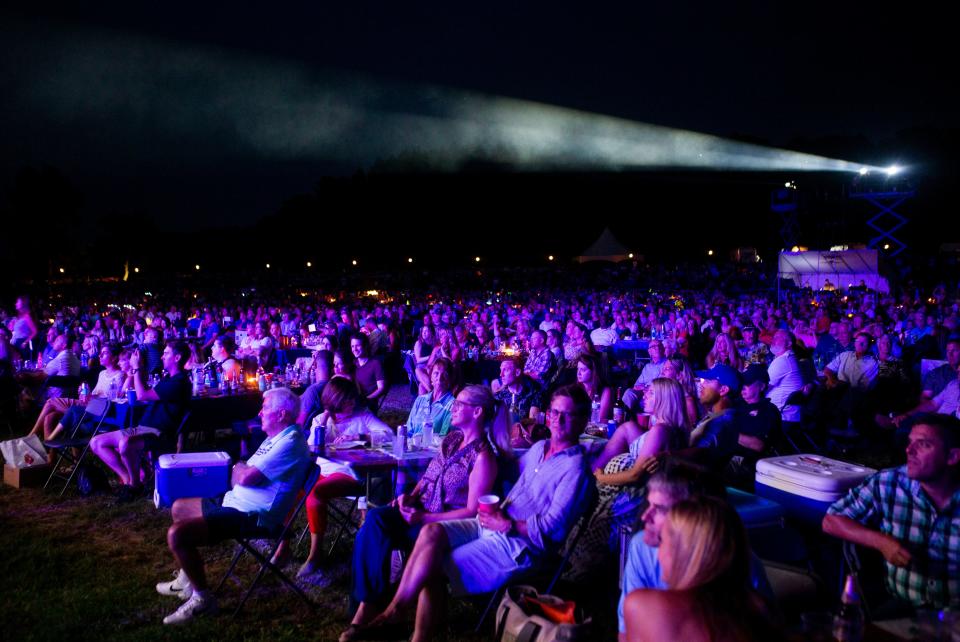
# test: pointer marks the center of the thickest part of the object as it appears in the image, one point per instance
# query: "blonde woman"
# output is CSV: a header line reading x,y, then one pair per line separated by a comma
x,y
725,352
679,369
625,462
664,400
465,469
705,560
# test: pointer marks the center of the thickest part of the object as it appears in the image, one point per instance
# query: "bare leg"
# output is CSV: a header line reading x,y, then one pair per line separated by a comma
x,y
51,423
423,568
423,378
186,508
429,607
183,539
129,449
38,426
106,446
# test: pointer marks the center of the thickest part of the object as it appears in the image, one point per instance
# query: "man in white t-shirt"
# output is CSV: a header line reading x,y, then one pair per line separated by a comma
x,y
264,490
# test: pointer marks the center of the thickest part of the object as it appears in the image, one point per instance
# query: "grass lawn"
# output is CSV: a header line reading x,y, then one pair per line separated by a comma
x,y
84,568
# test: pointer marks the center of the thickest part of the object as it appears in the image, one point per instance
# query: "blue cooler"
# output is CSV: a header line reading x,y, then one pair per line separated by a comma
x,y
755,512
806,485
191,475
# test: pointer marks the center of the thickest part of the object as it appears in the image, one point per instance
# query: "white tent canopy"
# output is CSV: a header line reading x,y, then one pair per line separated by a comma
x,y
605,248
842,269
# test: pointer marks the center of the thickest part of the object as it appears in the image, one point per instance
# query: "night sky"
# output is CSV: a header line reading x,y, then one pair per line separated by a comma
x,y
205,114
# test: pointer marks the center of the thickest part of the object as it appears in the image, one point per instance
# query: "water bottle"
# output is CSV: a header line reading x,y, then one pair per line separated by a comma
x,y
83,393
261,380
427,434
224,384
595,410
318,440
400,443
197,382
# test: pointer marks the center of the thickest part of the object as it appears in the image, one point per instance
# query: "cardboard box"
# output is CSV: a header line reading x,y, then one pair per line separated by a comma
x,y
33,477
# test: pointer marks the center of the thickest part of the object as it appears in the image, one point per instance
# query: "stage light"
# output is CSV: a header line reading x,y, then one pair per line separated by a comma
x,y
196,267
61,270
309,264
630,256
410,260
709,252
892,170
864,171
550,258
476,259
353,262
137,270
268,266
886,246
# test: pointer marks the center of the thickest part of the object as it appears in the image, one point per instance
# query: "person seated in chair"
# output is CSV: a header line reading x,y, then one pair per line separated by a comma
x,y
480,555
911,515
465,469
264,489
121,449
222,352
676,481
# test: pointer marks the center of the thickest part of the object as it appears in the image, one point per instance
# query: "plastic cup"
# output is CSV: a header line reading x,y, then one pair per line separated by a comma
x,y
488,503
131,397
643,419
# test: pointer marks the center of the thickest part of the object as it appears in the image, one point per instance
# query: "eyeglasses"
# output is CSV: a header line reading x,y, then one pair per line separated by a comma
x,y
557,414
459,404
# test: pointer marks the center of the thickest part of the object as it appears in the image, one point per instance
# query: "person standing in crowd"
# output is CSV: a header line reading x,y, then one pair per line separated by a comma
x,y
369,376
24,329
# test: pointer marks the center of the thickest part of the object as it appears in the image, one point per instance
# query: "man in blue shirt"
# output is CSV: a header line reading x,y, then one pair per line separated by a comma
x,y
676,482
264,490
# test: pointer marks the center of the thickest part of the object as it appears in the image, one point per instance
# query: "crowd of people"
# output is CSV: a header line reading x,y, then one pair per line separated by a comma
x,y
699,386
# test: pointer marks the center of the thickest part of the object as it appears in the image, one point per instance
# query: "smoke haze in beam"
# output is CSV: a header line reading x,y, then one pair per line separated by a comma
x,y
200,104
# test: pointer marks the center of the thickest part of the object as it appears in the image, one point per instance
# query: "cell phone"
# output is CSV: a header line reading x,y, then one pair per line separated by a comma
x,y
312,327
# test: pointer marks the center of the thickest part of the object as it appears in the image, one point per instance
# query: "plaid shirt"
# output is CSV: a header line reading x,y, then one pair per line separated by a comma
x,y
541,366
897,506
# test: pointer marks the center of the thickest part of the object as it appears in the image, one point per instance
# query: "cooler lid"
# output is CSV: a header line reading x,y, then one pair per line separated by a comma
x,y
194,460
815,472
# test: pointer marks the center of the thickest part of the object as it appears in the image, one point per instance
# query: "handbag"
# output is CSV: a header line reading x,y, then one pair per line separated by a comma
x,y
24,452
526,616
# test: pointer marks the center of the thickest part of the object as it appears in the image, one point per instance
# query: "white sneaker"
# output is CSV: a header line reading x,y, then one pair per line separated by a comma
x,y
196,605
179,587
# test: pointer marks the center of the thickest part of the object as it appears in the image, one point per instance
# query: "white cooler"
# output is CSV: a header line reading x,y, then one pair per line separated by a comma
x,y
806,485
191,475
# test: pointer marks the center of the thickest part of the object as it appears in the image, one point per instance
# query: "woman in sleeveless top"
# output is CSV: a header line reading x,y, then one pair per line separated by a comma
x,y
620,475
464,470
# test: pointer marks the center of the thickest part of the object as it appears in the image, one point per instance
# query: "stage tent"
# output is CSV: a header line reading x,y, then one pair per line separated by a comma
x,y
844,269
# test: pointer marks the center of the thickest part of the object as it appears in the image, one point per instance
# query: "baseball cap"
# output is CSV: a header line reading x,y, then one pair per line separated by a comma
x,y
726,375
755,372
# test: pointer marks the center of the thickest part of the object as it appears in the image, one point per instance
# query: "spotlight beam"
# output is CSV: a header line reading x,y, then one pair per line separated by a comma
x,y
233,104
